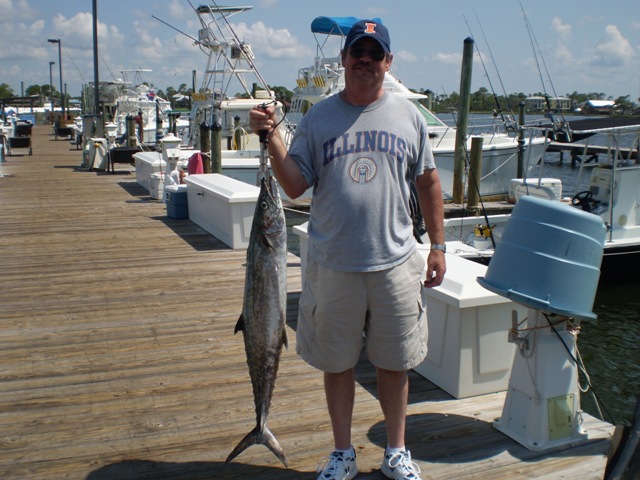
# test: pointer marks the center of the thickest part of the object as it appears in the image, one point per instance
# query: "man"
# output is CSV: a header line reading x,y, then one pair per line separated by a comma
x,y
360,150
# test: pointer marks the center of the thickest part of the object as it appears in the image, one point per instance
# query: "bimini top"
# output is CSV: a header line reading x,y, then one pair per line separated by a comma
x,y
335,25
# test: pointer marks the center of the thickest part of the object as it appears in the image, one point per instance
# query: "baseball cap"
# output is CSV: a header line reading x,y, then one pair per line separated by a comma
x,y
372,29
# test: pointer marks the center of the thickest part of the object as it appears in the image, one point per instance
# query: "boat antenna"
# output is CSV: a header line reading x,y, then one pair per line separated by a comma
x,y
508,123
177,30
563,126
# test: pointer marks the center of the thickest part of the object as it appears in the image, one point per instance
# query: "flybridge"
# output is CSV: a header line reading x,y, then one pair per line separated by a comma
x,y
225,10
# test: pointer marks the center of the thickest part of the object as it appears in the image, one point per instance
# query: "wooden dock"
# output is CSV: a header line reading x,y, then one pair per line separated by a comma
x,y
118,359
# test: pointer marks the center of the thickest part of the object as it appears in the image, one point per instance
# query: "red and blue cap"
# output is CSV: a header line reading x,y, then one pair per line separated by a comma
x,y
369,29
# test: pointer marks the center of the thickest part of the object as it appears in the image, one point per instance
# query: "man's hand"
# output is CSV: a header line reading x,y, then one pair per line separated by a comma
x,y
262,118
436,268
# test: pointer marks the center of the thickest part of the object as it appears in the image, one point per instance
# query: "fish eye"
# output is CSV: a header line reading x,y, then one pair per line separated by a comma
x,y
263,205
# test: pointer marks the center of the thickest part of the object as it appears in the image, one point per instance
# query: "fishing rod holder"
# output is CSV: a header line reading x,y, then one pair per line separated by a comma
x,y
548,260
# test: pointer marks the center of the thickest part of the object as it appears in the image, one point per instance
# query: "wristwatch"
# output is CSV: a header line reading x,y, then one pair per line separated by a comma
x,y
439,246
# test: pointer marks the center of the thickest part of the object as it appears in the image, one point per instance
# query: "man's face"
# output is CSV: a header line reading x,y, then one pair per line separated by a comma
x,y
365,63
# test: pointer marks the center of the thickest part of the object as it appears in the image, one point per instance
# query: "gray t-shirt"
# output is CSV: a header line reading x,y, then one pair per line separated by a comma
x,y
360,161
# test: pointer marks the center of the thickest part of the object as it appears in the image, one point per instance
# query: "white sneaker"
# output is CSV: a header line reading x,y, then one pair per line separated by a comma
x,y
339,466
398,466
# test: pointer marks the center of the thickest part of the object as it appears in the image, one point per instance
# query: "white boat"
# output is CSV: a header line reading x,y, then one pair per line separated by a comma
x,y
230,67
325,78
135,97
613,193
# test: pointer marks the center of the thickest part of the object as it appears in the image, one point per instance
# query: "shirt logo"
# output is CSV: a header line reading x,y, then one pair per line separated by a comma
x,y
363,170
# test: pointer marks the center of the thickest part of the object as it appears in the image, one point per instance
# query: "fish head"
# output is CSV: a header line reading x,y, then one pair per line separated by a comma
x,y
269,216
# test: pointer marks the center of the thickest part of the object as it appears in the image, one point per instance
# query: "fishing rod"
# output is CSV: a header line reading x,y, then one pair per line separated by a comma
x,y
508,123
467,164
495,66
176,29
562,126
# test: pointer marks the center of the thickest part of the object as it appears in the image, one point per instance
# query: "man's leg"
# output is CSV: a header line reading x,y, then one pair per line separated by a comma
x,y
340,392
393,391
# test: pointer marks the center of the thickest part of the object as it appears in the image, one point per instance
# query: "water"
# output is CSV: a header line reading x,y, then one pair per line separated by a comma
x,y
608,346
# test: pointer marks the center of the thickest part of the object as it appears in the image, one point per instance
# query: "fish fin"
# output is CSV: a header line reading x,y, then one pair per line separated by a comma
x,y
255,437
239,325
267,242
285,338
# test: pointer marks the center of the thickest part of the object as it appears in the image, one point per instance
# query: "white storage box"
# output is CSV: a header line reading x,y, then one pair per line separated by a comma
x,y
146,164
156,186
469,352
223,206
547,188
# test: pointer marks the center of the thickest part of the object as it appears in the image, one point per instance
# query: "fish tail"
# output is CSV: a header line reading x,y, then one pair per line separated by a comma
x,y
259,437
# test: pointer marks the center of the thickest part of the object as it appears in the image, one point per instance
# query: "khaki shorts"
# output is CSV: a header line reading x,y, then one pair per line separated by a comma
x,y
388,306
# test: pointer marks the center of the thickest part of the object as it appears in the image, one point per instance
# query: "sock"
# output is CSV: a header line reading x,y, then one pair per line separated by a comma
x,y
344,453
392,451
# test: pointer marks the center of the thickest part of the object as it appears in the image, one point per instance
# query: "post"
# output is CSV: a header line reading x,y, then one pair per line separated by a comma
x,y
131,131
460,155
205,147
521,141
59,42
473,194
158,121
96,81
51,64
216,145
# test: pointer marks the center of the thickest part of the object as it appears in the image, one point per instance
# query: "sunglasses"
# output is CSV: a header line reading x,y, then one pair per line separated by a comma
x,y
375,54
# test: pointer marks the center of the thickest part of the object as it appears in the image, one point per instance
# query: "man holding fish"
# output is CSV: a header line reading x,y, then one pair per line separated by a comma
x,y
360,150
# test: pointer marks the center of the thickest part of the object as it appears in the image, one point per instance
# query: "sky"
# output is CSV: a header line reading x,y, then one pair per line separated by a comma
x,y
578,45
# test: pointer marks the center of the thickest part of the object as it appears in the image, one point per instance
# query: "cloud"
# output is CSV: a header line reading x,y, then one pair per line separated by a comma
x,y
559,27
614,50
78,30
405,56
448,58
16,10
272,43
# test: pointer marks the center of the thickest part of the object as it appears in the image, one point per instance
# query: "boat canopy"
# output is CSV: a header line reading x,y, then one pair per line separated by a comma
x,y
335,25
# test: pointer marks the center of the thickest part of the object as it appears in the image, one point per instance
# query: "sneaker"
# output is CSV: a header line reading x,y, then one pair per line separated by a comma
x,y
339,466
398,466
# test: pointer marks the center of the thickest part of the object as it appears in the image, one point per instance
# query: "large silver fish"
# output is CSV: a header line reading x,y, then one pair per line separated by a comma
x,y
263,318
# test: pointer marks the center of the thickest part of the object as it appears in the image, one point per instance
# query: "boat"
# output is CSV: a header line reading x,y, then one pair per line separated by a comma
x,y
230,66
500,145
613,194
134,98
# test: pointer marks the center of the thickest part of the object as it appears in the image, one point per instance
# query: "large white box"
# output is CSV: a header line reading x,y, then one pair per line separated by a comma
x,y
547,188
469,352
146,164
223,206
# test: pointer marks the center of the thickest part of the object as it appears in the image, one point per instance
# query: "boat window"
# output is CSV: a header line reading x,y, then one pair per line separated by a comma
x,y
432,120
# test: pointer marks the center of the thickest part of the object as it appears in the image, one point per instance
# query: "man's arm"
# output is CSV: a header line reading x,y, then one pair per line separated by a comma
x,y
432,207
283,166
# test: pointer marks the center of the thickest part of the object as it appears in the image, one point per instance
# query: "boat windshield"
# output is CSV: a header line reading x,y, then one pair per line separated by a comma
x,y
432,120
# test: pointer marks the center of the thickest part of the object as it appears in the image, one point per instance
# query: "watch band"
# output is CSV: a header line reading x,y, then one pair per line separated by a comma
x,y
439,246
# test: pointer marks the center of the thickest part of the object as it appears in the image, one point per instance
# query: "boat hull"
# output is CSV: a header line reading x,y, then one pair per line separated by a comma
x,y
499,166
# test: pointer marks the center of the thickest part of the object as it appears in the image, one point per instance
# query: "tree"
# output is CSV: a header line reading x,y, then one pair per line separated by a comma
x,y
6,91
624,104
